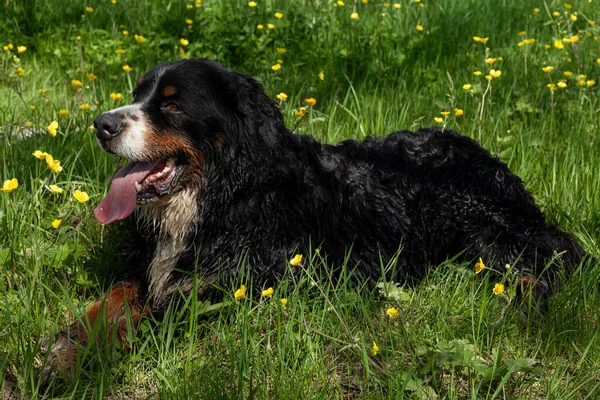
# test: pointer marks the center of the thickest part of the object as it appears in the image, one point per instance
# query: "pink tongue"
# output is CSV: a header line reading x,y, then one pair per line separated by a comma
x,y
121,198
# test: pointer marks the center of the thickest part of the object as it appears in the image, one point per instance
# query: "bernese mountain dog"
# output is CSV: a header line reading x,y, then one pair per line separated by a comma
x,y
214,176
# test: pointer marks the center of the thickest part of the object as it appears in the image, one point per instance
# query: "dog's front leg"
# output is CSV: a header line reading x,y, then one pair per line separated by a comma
x,y
125,299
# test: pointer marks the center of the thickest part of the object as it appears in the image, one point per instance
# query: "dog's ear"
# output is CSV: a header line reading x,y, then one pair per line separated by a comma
x,y
260,115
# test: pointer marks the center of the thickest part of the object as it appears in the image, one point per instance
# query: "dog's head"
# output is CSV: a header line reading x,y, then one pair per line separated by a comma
x,y
183,113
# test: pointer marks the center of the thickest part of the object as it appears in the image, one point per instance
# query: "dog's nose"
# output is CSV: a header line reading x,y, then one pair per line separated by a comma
x,y
107,127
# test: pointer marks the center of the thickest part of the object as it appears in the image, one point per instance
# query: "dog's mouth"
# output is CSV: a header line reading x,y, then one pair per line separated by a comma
x,y
138,183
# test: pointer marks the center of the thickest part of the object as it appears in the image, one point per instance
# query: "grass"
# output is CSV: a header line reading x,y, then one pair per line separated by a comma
x,y
452,337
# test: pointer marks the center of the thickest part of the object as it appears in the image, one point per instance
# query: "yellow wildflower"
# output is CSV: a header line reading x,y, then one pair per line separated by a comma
x,y
548,69
283,302
53,164
536,11
495,73
488,77
296,260
574,38
278,15
556,14
240,293
522,33
354,15
268,292
276,67
479,266
81,197
116,96
568,6
590,83
279,61
573,17
189,21
125,33
84,107
89,9
558,44
270,26
10,185
419,28
90,76
529,41
42,92
300,112
127,68
499,288
598,61
120,51
438,120
490,60
252,4
375,349
63,112
322,75
139,38
311,101
20,72
184,42
281,50
477,73
21,49
39,154
32,108
561,85
392,312
445,113
467,86
458,112
55,189
552,86
56,223
52,128
260,26
340,3
76,84
480,39
397,6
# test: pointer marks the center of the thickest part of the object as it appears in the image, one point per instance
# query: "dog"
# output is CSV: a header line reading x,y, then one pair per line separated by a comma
x,y
215,175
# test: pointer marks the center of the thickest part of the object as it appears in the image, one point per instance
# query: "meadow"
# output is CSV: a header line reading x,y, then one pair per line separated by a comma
x,y
519,76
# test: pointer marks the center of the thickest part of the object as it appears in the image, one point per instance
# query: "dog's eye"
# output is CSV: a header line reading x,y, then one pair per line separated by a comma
x,y
135,93
171,107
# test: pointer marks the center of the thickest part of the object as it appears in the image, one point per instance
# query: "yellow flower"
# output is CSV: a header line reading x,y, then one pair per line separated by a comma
x,y
32,108
495,73
556,14
278,15
63,112
189,21
283,302
375,349
558,44
340,3
296,260
56,223
419,28
458,112
268,292
590,83
10,185
561,85
10,46
116,96
39,154
78,37
252,4
354,15
300,112
184,42
477,73
467,86
52,128
21,49
276,67
573,17
438,120
522,33
397,5
552,86
84,107
189,6
120,51
20,72
89,9
322,75
364,1
42,92
311,101
574,38
81,197
529,41
127,68
392,312
260,26
568,74
76,84
270,26
240,293
490,60
279,61
598,61
55,189
480,39
566,40
91,128
535,11
568,6
139,38
445,113
548,69
281,50
90,76
498,288
488,77
53,164
479,266
125,33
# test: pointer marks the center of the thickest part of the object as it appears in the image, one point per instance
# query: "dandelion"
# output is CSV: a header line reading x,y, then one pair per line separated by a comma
x,y
458,112
548,69
240,293
90,76
53,164
281,50
445,113
392,312
311,101
39,154
590,83
276,67
76,84
21,49
10,185
322,75
184,42
278,15
260,26
354,15
80,196
268,292
296,260
89,9
56,223
490,60
467,86
477,73
479,266
438,120
340,3
558,44
52,128
252,4
300,112
84,107
55,189
139,38
498,288
120,51
480,39
283,302
116,96
375,349
561,85
270,26
189,21
495,73
419,28
20,72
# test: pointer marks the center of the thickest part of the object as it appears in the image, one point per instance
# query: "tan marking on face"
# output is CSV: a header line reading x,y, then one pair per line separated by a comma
x,y
169,91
